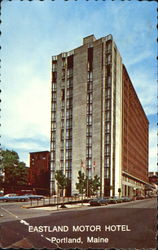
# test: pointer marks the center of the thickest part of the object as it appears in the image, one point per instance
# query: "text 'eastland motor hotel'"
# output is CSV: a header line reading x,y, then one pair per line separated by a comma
x,y
97,122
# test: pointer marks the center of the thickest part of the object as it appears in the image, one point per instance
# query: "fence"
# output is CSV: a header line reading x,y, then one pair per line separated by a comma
x,y
54,201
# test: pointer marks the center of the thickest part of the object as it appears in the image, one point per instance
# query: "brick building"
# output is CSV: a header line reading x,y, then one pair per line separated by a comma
x,y
39,171
97,122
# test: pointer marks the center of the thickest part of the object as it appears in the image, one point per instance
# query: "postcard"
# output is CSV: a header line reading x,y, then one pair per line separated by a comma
x,y
78,125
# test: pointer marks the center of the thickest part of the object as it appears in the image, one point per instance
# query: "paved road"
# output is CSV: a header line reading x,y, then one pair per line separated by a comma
x,y
138,216
14,210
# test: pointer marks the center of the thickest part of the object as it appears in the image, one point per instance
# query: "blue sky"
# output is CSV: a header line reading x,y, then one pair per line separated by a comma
x,y
34,31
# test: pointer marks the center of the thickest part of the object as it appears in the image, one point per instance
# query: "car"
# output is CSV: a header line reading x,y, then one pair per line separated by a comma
x,y
10,195
118,199
110,200
14,198
98,202
34,196
126,199
140,197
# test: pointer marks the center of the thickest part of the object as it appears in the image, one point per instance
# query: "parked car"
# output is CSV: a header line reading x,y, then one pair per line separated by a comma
x,y
98,202
34,196
117,199
126,199
13,198
111,200
10,195
140,197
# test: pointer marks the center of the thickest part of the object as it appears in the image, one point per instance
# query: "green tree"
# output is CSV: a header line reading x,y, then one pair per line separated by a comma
x,y
81,185
62,181
92,185
95,184
15,171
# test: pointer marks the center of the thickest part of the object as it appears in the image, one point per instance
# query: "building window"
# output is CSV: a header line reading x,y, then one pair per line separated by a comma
x,y
62,165
62,144
107,104
107,150
107,173
89,86
69,123
63,62
109,81
108,93
54,66
53,145
62,134
89,108
90,59
69,103
89,120
107,127
53,86
62,94
89,130
68,144
53,135
54,106
107,138
107,115
54,77
89,98
89,152
70,62
69,113
62,123
90,76
70,83
54,95
89,163
69,93
68,154
53,125
53,115
89,141
63,104
62,154
62,114
53,154
68,134
107,162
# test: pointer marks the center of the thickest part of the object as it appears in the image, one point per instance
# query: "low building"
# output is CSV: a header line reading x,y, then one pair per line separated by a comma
x,y
39,172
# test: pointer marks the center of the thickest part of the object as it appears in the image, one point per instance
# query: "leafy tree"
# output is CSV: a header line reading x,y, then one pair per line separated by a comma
x,y
81,185
86,185
96,184
62,181
92,185
15,171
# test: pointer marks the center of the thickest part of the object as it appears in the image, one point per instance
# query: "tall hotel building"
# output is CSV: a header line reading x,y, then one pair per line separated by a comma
x,y
98,125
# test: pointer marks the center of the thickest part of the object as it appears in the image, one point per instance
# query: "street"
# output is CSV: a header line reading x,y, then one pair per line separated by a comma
x,y
124,225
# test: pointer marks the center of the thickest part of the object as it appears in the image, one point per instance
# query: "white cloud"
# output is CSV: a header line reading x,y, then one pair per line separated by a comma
x,y
27,107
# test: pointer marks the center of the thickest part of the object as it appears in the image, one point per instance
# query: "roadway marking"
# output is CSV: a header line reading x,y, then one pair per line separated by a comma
x,y
27,224
10,213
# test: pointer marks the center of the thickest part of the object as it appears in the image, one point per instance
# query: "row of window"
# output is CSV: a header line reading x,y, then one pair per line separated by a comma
x,y
107,139
89,115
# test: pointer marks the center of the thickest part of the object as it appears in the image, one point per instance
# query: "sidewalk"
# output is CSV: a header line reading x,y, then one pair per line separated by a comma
x,y
58,207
